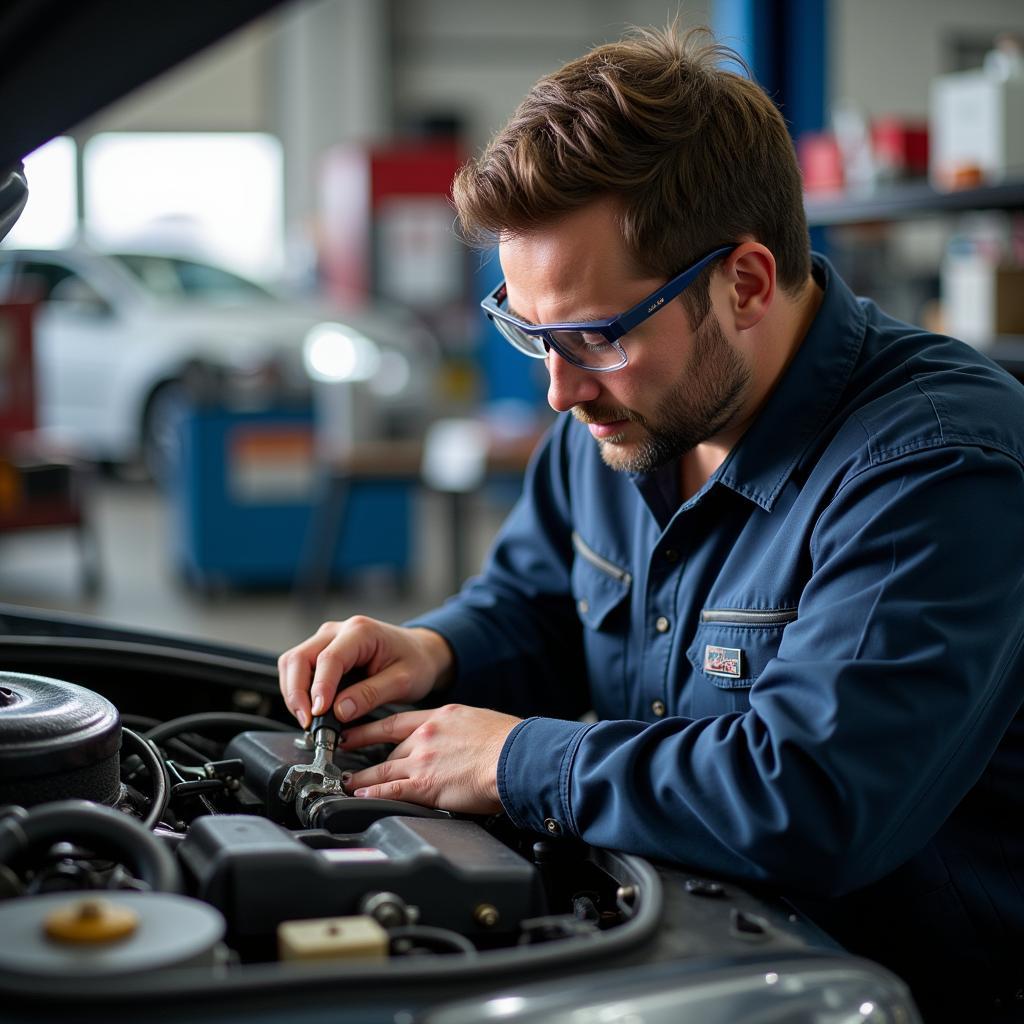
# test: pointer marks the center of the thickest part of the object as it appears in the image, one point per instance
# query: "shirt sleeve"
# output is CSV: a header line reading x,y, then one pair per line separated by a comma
x,y
887,698
513,629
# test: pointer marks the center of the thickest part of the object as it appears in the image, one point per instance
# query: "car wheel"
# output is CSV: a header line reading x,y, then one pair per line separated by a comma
x,y
161,433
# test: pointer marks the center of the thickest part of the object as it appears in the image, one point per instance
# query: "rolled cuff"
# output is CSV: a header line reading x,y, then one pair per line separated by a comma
x,y
535,773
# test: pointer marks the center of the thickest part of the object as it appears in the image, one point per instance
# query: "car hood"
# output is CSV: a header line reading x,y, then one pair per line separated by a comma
x,y
104,47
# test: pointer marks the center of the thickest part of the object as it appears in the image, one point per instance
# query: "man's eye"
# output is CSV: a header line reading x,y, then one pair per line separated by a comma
x,y
583,339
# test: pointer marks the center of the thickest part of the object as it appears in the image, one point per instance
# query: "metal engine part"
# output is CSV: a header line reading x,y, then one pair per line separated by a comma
x,y
311,795
303,783
57,740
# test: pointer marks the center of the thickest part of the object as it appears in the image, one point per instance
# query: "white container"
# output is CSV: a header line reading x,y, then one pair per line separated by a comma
x,y
981,300
977,121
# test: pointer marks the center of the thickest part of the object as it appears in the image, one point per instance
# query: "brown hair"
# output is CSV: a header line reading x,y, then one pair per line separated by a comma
x,y
697,155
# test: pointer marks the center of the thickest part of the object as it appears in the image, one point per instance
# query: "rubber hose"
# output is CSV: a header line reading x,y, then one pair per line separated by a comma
x,y
215,720
181,751
108,833
160,781
137,722
436,937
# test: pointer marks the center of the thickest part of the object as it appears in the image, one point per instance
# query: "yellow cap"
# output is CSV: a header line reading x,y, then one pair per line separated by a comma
x,y
90,921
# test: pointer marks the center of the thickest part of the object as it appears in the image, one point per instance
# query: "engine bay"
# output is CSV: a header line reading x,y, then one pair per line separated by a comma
x,y
185,827
173,847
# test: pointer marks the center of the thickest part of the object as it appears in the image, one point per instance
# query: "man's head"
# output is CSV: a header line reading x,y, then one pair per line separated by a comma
x,y
680,386
696,156
616,175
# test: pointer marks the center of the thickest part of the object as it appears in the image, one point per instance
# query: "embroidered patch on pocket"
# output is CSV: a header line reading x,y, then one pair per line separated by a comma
x,y
723,661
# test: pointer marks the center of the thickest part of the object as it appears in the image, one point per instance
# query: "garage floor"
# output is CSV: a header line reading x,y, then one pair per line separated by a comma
x,y
141,589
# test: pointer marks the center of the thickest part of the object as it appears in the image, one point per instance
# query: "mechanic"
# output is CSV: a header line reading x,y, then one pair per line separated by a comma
x,y
774,541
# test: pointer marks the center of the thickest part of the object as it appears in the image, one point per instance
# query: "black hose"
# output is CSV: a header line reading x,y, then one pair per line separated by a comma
x,y
215,720
180,749
195,787
159,780
106,832
139,721
185,753
438,940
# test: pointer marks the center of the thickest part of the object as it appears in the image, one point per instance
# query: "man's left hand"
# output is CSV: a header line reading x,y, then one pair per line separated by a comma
x,y
446,757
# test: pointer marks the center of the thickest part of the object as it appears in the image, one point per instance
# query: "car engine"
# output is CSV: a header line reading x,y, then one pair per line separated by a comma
x,y
172,847
224,837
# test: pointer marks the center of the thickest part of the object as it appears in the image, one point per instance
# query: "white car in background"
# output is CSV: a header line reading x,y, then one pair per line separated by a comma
x,y
118,336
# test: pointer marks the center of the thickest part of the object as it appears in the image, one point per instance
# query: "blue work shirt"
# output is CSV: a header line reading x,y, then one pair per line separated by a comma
x,y
808,674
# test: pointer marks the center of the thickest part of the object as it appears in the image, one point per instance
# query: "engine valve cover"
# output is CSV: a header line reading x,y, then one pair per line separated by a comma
x,y
259,874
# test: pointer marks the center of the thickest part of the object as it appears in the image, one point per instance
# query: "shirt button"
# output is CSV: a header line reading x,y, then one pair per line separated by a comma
x,y
671,555
552,827
658,707
662,625
583,605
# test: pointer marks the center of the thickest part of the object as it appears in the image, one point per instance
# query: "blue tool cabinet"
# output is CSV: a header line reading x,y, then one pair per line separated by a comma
x,y
244,497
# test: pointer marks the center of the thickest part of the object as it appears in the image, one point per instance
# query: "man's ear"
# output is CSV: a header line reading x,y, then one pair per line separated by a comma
x,y
750,273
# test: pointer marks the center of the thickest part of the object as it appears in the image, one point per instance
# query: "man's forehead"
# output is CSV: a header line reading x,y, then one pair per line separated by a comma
x,y
595,225
583,276
593,233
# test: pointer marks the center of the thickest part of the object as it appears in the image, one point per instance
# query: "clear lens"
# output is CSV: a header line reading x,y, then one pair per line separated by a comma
x,y
581,348
592,351
530,344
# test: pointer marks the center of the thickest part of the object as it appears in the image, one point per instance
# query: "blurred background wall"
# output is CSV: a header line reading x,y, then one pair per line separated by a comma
x,y
341,121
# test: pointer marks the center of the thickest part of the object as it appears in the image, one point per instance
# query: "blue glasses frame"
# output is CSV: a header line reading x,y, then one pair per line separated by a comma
x,y
535,340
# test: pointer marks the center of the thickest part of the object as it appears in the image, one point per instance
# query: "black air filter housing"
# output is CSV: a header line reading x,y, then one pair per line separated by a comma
x,y
57,740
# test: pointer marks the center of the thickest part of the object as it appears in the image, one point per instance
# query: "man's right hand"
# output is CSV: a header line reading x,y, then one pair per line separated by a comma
x,y
402,666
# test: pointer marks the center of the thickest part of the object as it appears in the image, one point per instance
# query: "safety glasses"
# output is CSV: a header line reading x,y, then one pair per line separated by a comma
x,y
594,345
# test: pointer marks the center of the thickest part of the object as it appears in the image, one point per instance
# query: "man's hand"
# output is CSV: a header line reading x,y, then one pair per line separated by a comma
x,y
446,757
402,665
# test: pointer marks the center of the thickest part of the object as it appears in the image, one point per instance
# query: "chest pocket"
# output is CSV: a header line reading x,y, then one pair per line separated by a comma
x,y
600,588
731,648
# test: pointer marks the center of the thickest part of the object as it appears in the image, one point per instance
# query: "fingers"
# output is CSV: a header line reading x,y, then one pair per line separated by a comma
x,y
445,757
393,729
390,685
396,778
402,665
295,668
400,789
389,780
378,775
340,648
309,673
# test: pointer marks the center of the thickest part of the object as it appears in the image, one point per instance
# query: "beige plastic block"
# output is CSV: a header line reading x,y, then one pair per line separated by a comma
x,y
331,938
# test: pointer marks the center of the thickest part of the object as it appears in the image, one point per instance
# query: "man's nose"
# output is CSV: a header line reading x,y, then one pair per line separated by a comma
x,y
568,384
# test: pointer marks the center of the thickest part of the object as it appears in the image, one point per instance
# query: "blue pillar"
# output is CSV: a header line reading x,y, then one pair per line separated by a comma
x,y
804,63
784,42
748,27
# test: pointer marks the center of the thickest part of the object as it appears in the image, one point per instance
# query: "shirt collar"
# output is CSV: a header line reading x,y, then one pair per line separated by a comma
x,y
792,417
804,399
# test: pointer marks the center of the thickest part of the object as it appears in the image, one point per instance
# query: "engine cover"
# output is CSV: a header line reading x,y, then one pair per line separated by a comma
x,y
258,874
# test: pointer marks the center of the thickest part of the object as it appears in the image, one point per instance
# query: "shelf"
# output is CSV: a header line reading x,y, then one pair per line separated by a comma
x,y
910,200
